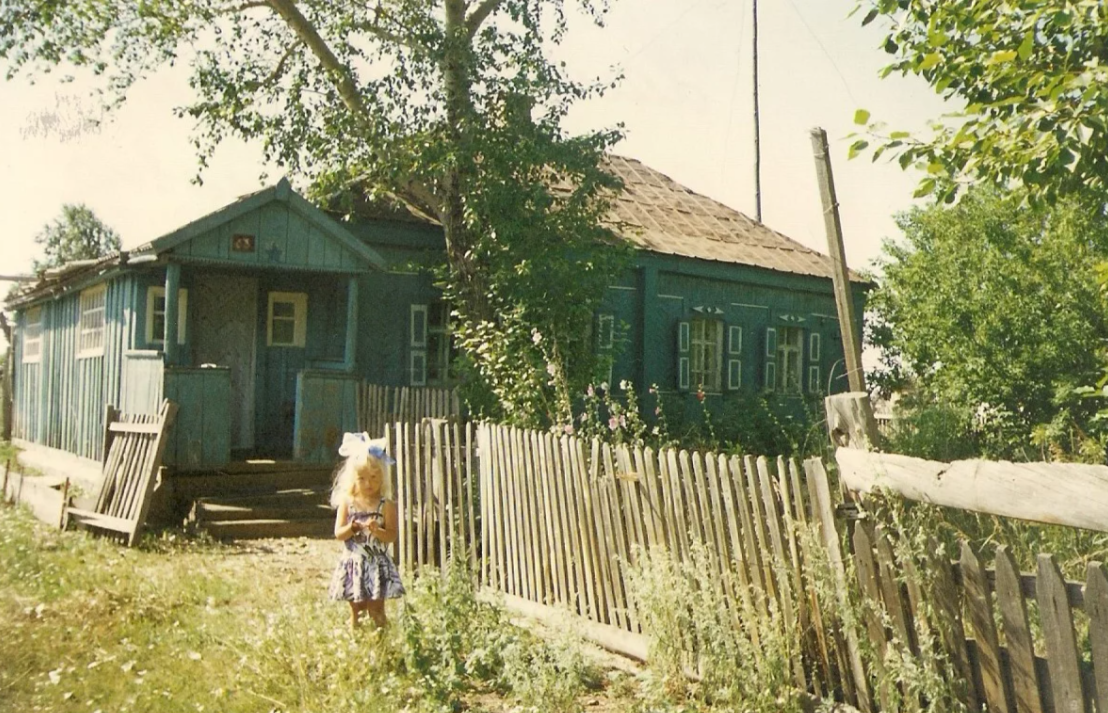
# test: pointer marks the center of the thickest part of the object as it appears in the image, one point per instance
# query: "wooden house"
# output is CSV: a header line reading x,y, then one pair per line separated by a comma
x,y
262,319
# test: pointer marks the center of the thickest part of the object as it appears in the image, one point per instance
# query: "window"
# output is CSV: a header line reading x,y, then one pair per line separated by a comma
x,y
440,345
790,342
90,329
155,315
287,321
706,345
32,335
432,346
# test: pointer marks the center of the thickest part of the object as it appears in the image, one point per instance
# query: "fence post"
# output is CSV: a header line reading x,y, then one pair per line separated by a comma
x,y
850,421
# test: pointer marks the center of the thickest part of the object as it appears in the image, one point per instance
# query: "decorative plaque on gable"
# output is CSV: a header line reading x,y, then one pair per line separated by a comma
x,y
242,243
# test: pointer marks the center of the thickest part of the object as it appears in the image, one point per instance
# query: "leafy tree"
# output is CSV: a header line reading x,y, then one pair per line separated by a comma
x,y
1030,75
454,107
76,235
993,312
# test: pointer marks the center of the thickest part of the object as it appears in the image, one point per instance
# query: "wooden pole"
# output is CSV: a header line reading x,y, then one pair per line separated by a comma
x,y
7,471
65,505
757,129
852,340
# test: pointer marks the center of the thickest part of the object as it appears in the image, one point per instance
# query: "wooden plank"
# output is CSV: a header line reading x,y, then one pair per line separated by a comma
x,y
1017,633
527,493
107,522
789,497
978,604
753,559
871,591
738,559
619,529
552,523
660,470
647,488
824,512
1096,606
435,437
758,524
453,488
889,568
1070,494
947,605
580,539
167,415
628,478
470,492
1058,635
603,539
688,495
773,524
543,545
587,523
511,531
679,509
602,485
563,522
483,480
719,520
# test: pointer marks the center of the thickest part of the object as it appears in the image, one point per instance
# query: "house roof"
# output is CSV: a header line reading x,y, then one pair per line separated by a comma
x,y
658,214
79,273
281,192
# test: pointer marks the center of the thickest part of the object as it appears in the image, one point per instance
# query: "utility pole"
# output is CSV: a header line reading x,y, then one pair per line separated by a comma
x,y
852,339
757,132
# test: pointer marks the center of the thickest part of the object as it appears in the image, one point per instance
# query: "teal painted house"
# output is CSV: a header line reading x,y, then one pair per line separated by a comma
x,y
261,319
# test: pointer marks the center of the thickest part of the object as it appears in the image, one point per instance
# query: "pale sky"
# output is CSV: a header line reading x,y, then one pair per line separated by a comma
x,y
685,101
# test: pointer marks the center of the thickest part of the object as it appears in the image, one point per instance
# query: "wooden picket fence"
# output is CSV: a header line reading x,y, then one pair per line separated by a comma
x,y
379,406
558,521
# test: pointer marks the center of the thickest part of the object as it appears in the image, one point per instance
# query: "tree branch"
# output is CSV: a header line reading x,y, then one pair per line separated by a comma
x,y
479,15
340,74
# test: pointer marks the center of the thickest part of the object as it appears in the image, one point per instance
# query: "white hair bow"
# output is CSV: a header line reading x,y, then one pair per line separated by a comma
x,y
359,443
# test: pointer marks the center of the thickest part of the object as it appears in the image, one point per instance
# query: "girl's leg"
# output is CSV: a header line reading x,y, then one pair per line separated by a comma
x,y
376,609
356,609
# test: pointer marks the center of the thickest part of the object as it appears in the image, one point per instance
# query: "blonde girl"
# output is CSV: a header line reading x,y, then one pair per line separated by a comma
x,y
365,522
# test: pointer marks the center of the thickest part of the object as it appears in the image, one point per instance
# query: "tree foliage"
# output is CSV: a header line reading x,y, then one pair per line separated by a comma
x,y
75,235
453,107
1029,75
995,311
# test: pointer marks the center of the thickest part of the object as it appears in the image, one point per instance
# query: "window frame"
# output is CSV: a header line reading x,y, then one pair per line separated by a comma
x,y
36,340
91,302
443,356
154,292
299,319
705,348
790,360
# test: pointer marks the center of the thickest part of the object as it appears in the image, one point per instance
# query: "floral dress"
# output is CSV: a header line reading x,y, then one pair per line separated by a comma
x,y
365,571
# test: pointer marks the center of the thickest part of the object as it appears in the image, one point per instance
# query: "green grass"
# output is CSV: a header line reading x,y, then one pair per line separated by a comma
x,y
192,625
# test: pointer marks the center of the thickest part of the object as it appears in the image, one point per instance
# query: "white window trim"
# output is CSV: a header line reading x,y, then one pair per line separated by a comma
x,y
734,374
419,313
813,346
734,340
87,296
37,341
153,292
715,343
606,327
790,354
299,301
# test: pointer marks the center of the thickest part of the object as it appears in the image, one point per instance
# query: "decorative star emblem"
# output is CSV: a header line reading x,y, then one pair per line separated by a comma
x,y
274,253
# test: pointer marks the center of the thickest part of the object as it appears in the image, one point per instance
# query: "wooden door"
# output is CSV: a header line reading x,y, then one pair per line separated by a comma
x,y
225,312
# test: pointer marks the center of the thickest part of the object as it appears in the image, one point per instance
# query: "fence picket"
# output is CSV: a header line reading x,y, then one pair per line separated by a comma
x,y
553,526
603,539
1096,606
587,525
981,618
1058,635
871,589
758,524
948,621
623,537
1017,633
677,503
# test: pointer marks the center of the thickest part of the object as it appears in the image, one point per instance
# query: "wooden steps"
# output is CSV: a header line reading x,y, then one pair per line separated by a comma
x,y
270,500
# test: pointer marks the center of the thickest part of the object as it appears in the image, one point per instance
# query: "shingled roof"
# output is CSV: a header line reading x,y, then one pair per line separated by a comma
x,y
658,214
